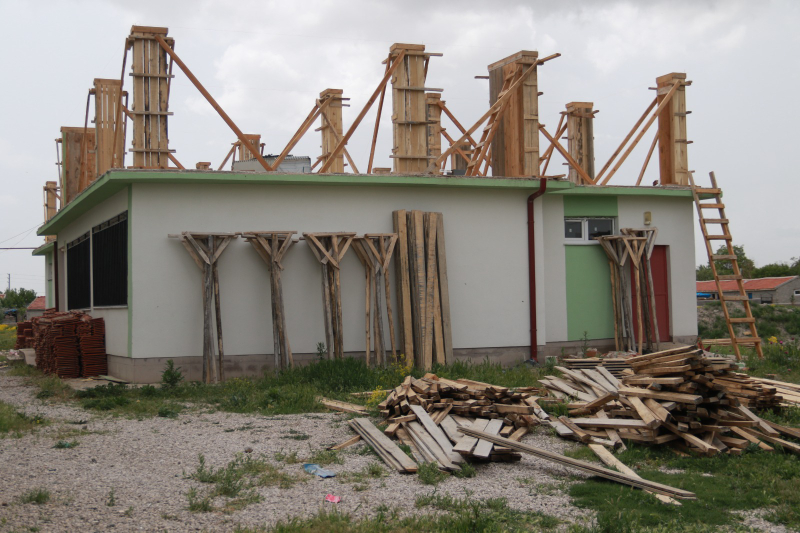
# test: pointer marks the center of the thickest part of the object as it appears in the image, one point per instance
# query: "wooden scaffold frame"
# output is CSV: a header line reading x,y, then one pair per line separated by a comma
x,y
205,249
329,249
272,247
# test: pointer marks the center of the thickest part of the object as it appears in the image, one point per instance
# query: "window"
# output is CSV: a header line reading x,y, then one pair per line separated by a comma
x,y
110,261
587,228
78,280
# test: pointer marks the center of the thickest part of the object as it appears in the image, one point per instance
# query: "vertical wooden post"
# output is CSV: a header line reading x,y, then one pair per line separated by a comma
x,y
50,205
672,141
410,152
150,97
403,284
434,124
515,146
110,144
332,131
580,138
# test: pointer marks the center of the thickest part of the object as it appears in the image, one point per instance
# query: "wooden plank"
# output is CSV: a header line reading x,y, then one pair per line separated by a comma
x,y
429,225
403,286
468,443
641,409
345,444
436,432
582,465
609,459
669,396
443,458
418,278
344,407
450,428
614,423
484,447
444,290
380,441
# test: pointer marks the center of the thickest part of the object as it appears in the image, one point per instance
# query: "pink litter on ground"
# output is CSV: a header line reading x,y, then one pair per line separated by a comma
x,y
333,499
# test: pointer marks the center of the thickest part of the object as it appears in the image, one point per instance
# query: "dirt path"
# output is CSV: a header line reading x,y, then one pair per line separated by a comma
x,y
145,463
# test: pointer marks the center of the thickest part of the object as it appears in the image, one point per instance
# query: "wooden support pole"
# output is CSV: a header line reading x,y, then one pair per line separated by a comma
x,y
109,142
647,159
572,163
378,119
210,99
331,126
434,119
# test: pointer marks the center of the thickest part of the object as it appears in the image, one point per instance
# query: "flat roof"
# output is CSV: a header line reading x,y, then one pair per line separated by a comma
x,y
114,181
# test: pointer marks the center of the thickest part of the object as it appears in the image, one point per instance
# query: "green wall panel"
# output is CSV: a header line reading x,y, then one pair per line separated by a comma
x,y
589,306
590,206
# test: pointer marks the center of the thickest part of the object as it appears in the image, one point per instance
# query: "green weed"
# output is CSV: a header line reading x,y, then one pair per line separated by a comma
x,y
429,474
36,496
13,421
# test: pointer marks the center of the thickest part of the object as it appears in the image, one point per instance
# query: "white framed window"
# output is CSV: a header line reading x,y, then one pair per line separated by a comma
x,y
797,292
583,230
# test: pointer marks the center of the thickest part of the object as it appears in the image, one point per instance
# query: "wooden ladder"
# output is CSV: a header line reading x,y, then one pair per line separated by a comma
x,y
725,235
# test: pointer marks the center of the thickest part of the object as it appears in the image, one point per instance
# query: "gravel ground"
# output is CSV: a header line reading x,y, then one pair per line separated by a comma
x,y
145,461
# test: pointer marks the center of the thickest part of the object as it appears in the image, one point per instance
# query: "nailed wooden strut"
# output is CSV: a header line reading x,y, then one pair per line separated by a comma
x,y
374,250
206,249
272,247
329,249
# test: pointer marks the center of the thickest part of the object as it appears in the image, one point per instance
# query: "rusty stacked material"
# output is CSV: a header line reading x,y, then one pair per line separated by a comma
x,y
69,344
24,335
92,335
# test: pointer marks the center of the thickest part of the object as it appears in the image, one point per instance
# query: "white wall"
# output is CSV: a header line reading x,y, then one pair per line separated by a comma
x,y
675,220
487,259
116,318
555,272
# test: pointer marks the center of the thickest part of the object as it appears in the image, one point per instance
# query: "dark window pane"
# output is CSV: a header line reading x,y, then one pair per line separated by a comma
x,y
78,273
573,229
110,262
600,226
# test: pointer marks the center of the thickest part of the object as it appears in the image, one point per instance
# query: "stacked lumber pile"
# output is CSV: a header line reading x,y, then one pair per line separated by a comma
x,y
24,335
426,413
69,344
789,391
615,365
678,396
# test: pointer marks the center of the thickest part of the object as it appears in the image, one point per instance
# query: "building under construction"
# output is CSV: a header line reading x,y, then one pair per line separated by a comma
x,y
466,249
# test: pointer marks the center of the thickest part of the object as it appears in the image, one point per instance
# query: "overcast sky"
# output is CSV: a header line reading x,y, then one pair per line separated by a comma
x,y
265,62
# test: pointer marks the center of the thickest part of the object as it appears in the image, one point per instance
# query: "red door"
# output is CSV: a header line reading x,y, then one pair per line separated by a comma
x,y
658,264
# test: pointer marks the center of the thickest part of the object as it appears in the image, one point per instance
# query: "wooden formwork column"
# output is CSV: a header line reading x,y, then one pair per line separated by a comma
x,y
409,116
109,144
434,118
248,151
332,131
672,141
515,146
580,138
150,97
77,161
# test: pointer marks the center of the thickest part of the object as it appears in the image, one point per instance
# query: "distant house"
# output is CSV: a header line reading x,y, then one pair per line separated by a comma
x,y
781,290
36,307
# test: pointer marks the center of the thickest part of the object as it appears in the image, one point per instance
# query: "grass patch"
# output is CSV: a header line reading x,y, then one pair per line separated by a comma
x,y
292,391
17,423
8,337
236,481
755,480
326,457
429,474
374,470
35,496
466,471
66,444
453,515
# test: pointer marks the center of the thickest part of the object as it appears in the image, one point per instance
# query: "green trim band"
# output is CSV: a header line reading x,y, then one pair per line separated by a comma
x,y
45,248
114,181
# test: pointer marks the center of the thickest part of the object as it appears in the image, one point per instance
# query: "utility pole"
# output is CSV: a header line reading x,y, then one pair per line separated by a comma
x,y
9,282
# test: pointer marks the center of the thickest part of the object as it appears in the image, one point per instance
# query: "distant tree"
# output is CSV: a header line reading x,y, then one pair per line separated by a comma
x,y
773,270
746,265
18,298
704,273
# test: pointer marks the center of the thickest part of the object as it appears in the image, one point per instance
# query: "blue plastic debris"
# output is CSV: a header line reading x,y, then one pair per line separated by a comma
x,y
313,468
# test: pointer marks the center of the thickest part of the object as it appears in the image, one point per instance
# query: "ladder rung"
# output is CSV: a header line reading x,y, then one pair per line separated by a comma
x,y
729,277
712,206
722,257
748,340
745,320
715,220
719,237
727,342
735,297
701,190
